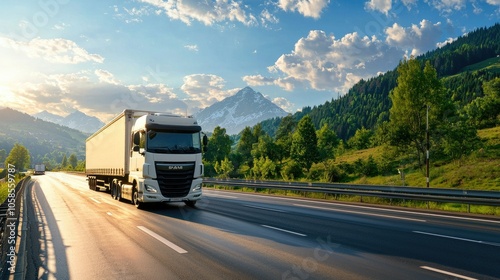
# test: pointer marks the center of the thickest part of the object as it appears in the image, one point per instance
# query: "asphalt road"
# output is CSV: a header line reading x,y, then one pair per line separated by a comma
x,y
76,233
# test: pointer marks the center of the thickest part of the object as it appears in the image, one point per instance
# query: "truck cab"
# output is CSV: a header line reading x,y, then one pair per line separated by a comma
x,y
166,159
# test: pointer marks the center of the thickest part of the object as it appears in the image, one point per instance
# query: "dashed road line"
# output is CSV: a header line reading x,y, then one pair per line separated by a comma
x,y
447,273
162,240
284,230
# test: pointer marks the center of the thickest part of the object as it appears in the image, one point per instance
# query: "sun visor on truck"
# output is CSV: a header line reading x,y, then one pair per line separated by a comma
x,y
170,128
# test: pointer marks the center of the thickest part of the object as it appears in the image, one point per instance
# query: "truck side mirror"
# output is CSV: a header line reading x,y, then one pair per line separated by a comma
x,y
205,140
137,139
136,148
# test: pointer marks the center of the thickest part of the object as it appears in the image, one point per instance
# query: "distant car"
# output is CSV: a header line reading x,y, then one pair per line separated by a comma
x,y
40,169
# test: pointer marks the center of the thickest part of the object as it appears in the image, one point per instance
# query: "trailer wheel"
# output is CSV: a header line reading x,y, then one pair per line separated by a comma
x,y
113,189
135,199
118,190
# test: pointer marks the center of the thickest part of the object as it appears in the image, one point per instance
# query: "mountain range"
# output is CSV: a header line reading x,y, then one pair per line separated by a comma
x,y
76,120
234,113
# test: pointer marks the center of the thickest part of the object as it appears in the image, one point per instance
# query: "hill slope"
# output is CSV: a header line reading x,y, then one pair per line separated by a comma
x,y
39,137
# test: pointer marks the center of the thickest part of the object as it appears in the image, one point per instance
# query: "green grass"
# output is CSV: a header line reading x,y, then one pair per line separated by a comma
x,y
492,64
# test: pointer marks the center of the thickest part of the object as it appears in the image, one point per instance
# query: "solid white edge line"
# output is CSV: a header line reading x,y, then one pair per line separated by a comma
x,y
361,213
447,273
163,240
284,230
456,238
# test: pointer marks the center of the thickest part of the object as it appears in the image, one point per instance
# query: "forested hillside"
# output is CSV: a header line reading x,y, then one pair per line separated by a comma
x,y
47,142
367,103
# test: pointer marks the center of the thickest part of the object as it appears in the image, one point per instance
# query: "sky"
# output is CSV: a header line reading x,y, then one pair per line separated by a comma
x,y
180,56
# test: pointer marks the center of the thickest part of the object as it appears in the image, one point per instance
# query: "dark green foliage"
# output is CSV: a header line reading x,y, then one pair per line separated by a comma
x,y
304,148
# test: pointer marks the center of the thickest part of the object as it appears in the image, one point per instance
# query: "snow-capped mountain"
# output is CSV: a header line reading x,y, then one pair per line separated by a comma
x,y
76,120
234,113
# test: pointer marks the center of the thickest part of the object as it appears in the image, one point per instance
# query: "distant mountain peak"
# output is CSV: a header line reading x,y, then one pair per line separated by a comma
x,y
246,108
76,120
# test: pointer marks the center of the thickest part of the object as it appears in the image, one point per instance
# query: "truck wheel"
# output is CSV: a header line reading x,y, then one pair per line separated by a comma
x,y
135,199
113,189
118,190
190,203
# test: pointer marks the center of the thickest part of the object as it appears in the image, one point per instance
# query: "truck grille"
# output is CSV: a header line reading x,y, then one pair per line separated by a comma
x,y
175,178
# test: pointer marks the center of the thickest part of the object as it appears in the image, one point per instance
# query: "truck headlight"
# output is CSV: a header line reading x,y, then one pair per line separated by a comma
x,y
150,189
197,188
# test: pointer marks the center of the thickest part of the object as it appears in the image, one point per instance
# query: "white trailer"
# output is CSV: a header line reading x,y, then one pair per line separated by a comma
x,y
39,169
147,157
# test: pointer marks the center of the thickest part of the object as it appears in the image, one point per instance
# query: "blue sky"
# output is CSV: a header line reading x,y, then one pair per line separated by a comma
x,y
101,57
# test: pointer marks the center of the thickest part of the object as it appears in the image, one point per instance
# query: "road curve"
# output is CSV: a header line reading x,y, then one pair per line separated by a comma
x,y
76,233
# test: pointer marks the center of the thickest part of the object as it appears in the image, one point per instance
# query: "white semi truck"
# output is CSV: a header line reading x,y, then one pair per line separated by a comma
x,y
147,157
39,169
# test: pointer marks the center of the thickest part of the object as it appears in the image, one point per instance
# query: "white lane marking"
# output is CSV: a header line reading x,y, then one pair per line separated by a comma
x,y
284,230
362,213
109,213
220,195
264,208
457,238
96,201
447,273
163,240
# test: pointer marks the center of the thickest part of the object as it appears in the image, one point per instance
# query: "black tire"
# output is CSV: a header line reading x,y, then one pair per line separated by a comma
x,y
190,203
113,189
135,200
119,191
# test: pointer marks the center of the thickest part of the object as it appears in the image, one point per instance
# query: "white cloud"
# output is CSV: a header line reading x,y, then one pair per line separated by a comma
x,y
447,6
493,2
193,48
106,77
53,50
416,39
283,103
383,6
91,93
204,90
208,12
308,8
322,62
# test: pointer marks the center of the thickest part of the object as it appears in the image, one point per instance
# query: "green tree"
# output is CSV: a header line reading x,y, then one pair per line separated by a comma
x,y
73,161
484,111
416,89
3,155
224,168
219,146
64,162
245,144
327,142
283,137
361,139
19,156
304,149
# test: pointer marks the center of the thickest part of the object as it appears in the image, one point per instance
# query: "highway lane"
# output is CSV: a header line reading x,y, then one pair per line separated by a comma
x,y
84,234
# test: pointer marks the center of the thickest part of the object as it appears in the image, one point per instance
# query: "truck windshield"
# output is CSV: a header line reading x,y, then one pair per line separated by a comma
x,y
173,142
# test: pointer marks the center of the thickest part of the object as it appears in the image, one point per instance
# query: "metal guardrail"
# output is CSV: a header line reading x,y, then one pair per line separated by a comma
x,y
10,211
489,198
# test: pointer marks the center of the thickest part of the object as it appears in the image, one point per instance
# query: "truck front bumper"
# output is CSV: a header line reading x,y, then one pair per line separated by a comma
x,y
151,192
